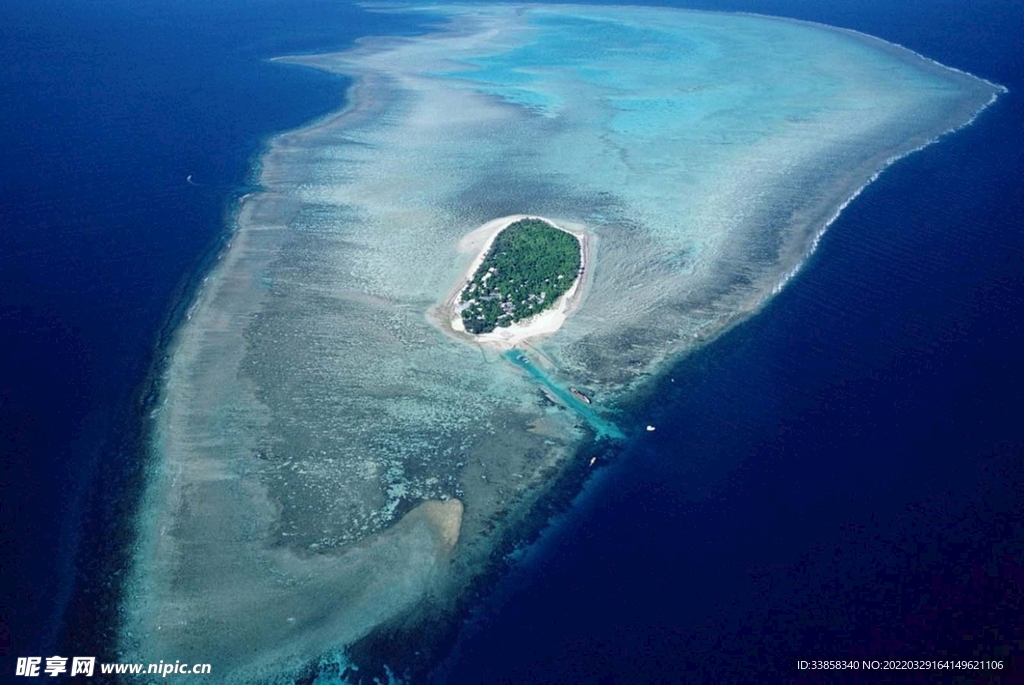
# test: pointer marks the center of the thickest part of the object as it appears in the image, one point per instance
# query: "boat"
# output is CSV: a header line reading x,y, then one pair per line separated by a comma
x,y
579,395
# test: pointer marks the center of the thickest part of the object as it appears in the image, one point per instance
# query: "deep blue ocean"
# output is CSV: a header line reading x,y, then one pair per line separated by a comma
x,y
840,476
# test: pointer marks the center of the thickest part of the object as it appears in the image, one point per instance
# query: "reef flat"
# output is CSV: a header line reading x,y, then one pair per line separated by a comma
x,y
327,461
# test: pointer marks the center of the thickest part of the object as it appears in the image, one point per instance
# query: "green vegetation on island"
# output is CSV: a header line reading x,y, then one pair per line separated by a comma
x,y
528,267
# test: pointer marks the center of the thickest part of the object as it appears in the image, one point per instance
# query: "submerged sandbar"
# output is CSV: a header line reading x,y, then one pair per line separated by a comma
x,y
327,464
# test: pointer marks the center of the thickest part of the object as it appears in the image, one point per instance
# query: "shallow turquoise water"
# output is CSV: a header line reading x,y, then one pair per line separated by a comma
x,y
604,428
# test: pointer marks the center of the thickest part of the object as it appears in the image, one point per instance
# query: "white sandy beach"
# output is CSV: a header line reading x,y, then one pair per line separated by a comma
x,y
540,325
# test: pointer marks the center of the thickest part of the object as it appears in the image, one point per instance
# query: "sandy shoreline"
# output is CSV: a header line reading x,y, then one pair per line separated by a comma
x,y
540,325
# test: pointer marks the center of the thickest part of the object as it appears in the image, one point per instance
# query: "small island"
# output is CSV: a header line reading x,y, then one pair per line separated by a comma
x,y
529,265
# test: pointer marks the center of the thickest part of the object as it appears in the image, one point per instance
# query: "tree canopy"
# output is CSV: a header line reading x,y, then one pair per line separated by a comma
x,y
528,267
